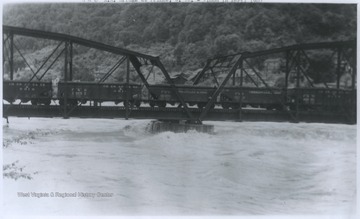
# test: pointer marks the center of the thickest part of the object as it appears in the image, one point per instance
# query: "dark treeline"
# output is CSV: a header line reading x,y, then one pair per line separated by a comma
x,y
185,35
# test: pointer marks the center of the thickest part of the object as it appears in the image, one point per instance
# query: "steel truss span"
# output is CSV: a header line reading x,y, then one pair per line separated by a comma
x,y
229,98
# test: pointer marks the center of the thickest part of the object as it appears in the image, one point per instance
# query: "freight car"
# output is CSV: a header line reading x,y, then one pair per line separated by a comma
x,y
304,99
233,97
36,92
229,97
99,92
44,92
193,95
322,99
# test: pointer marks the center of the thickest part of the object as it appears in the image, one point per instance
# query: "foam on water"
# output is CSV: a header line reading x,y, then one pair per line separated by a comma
x,y
242,169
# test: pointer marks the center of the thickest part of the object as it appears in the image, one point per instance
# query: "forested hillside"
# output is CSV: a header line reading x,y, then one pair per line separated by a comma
x,y
185,35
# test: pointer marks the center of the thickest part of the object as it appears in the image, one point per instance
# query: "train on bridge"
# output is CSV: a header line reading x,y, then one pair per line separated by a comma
x,y
233,97
171,101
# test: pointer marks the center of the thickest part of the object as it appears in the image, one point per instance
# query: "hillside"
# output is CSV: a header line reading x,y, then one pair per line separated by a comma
x,y
185,35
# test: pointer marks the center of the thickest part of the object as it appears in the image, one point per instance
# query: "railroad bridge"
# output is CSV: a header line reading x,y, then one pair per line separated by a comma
x,y
234,87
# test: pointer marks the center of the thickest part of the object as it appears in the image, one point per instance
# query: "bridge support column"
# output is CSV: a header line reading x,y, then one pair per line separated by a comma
x,y
70,61
353,70
287,70
297,58
338,66
127,87
241,90
178,127
66,80
11,61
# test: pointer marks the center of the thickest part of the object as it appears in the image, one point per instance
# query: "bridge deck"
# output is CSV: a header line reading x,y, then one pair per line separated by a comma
x,y
171,113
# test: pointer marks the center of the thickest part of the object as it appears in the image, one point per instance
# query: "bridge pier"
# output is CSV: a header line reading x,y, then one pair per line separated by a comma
x,y
178,127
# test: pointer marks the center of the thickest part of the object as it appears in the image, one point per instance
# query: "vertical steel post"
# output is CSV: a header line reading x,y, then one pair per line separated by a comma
x,y
338,65
287,70
298,69
3,54
71,62
241,88
241,73
127,88
66,80
297,84
353,78
11,61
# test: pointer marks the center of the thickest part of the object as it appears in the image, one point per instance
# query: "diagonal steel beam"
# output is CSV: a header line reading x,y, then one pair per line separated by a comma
x,y
200,75
256,73
152,68
175,90
218,90
293,54
22,56
62,51
254,82
304,72
213,73
45,63
135,62
6,39
272,92
112,69
309,60
237,63
6,50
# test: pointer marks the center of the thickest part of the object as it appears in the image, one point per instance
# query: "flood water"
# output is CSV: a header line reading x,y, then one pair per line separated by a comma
x,y
115,167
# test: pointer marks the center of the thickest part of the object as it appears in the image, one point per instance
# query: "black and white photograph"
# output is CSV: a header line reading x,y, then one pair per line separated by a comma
x,y
206,108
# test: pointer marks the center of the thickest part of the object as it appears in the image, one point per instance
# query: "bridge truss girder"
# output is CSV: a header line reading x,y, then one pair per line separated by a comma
x,y
135,59
294,57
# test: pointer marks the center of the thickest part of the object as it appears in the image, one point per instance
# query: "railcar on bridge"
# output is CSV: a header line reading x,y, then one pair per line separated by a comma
x,y
308,99
76,92
36,92
234,99
193,95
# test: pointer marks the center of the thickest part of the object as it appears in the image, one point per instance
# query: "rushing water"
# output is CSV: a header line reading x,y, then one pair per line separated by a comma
x,y
242,169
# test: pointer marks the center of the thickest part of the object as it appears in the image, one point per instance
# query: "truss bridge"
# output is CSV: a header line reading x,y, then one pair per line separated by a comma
x,y
313,82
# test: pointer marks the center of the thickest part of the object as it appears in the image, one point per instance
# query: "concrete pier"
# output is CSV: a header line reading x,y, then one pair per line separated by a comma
x,y
178,127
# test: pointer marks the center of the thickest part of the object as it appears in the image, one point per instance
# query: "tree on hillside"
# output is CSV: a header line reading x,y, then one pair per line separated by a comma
x,y
195,32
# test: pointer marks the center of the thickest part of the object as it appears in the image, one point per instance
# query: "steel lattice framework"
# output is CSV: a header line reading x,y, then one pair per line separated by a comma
x,y
237,66
67,42
296,59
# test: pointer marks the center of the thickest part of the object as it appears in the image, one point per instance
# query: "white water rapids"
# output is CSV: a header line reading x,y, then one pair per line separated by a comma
x,y
258,168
